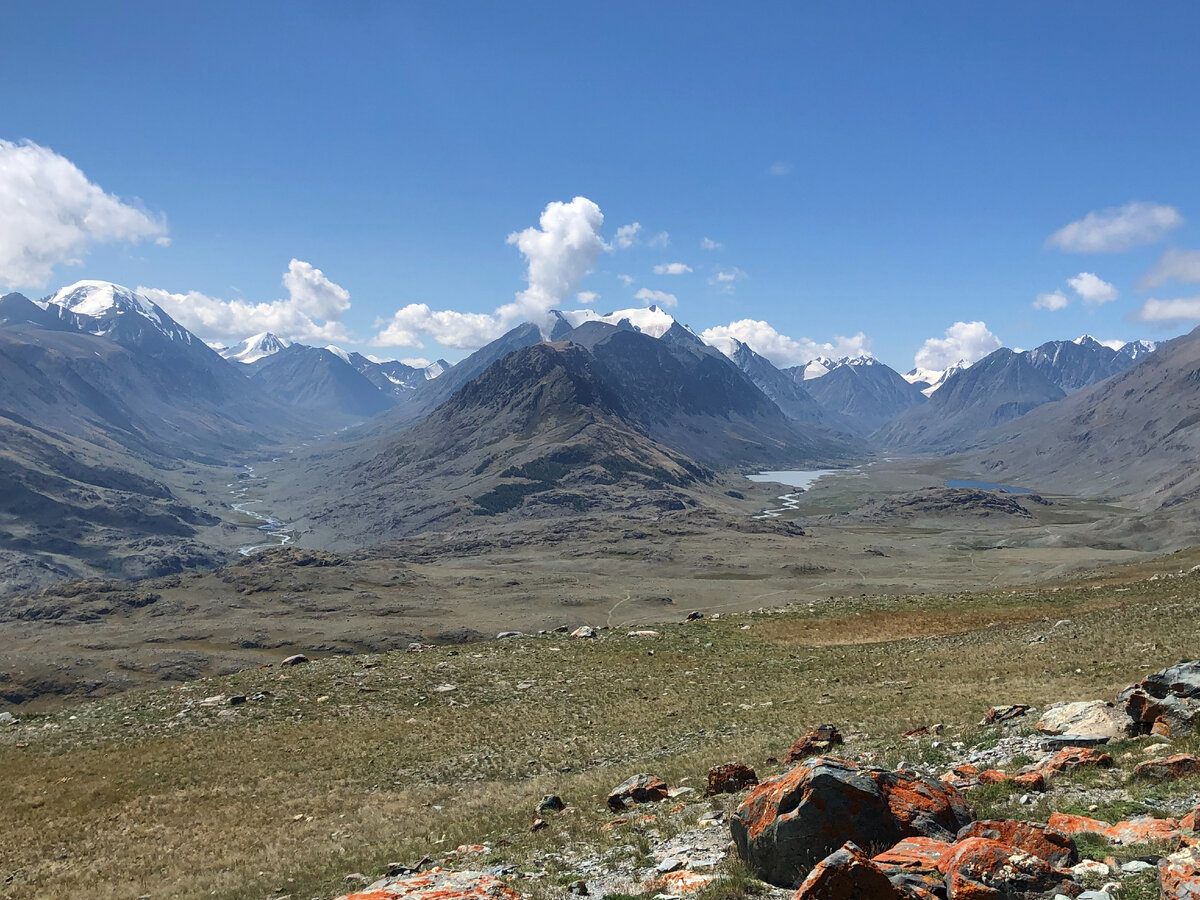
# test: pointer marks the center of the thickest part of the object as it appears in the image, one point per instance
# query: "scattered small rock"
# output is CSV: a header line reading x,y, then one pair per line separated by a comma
x,y
637,789
820,740
295,659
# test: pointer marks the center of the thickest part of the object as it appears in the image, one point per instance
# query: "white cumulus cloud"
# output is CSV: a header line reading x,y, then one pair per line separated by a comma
x,y
1175,265
311,297
1052,301
1181,309
587,298
558,253
662,239
710,244
780,349
675,268
1094,290
627,236
970,341
626,280
1117,228
657,298
50,214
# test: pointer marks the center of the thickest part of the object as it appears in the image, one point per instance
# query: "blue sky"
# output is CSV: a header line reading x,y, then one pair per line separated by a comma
x,y
888,169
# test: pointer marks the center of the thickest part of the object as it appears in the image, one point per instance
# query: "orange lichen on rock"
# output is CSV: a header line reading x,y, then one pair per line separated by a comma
x,y
846,874
1044,842
439,884
681,882
1069,759
913,854
981,868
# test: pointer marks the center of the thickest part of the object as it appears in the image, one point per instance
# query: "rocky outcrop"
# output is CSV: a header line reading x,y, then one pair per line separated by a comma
x,y
790,823
1168,768
1071,758
1046,843
979,867
637,789
729,779
1179,875
1169,698
820,740
1086,718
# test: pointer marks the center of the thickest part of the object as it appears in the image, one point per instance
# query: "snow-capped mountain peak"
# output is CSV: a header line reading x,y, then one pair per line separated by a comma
x,y
934,378
255,348
1135,350
338,352
647,319
823,365
99,299
99,307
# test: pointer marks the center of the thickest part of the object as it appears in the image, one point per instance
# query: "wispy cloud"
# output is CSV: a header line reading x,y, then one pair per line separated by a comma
x,y
779,169
627,236
710,244
1053,301
675,268
1117,228
1094,291
1182,266
1182,309
658,298
662,239
52,214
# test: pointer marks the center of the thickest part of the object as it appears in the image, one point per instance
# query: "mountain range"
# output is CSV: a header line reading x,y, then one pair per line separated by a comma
x,y
108,404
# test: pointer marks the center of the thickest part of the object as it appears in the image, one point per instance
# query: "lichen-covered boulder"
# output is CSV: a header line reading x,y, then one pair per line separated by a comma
x,y
847,874
637,789
438,884
729,779
820,740
1046,843
982,868
1170,697
793,821
1069,759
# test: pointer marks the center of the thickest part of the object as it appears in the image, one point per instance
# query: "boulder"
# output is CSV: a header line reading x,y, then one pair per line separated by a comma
x,y
637,789
1087,718
1179,875
847,874
1069,759
997,714
1171,695
982,868
820,740
913,854
296,659
678,884
1168,768
438,884
793,821
1046,843
584,631
1138,830
729,779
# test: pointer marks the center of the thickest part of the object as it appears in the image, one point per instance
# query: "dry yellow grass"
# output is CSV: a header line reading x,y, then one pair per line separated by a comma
x,y
349,766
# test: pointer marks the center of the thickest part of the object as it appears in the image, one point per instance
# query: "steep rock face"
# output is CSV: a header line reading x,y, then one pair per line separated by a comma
x,y
788,394
1073,365
867,395
1002,386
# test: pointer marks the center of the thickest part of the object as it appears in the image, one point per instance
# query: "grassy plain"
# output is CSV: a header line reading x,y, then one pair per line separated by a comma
x,y
348,763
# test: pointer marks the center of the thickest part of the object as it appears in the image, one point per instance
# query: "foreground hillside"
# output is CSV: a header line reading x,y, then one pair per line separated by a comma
x,y
285,780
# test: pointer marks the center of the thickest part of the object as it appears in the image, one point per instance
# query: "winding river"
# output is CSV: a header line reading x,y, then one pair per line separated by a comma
x,y
280,533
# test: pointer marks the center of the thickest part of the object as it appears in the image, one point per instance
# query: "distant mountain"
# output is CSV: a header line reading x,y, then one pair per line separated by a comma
x,y
1073,365
100,362
787,393
320,383
394,377
864,393
254,348
929,380
1134,436
1135,350
1001,386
